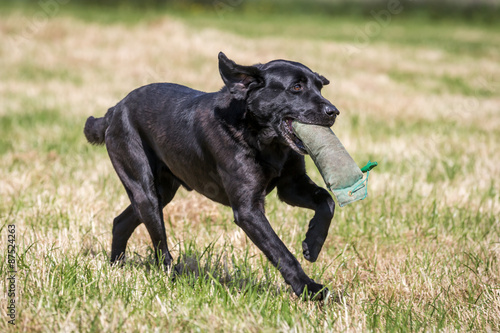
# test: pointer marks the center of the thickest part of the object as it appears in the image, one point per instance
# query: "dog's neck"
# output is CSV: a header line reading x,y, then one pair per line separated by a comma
x,y
235,117
239,120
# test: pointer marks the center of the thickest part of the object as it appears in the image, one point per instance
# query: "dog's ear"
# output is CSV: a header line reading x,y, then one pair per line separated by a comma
x,y
237,78
323,79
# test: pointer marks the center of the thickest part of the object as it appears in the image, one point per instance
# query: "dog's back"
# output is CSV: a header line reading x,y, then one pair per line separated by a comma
x,y
147,103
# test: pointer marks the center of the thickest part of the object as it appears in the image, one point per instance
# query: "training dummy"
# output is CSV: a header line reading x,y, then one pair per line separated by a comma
x,y
341,174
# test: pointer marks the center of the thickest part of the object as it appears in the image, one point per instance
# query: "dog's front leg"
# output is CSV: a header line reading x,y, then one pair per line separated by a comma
x,y
251,218
303,192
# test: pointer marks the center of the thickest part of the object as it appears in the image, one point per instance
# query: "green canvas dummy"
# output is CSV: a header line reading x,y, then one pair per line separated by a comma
x,y
341,174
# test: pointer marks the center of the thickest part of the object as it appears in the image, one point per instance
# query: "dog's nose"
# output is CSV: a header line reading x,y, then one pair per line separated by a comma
x,y
331,110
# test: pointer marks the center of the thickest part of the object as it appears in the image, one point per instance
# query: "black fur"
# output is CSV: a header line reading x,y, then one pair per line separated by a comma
x,y
233,146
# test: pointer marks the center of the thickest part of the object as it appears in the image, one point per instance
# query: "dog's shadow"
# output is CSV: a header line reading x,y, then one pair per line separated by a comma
x,y
211,267
215,267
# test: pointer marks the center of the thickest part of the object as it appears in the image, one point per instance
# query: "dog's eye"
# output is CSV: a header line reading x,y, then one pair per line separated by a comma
x,y
297,87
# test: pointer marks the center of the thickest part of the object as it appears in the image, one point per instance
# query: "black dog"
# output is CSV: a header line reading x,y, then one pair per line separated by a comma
x,y
233,146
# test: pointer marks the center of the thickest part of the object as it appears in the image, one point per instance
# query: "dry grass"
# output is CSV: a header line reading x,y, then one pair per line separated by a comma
x,y
422,252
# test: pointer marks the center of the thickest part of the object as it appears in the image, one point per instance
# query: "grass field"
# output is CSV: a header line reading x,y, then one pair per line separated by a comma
x,y
421,253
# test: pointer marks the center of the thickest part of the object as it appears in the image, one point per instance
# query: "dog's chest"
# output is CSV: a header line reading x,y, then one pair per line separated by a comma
x,y
272,162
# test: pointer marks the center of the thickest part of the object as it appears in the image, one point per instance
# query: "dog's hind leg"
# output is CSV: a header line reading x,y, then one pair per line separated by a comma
x,y
123,227
149,186
125,223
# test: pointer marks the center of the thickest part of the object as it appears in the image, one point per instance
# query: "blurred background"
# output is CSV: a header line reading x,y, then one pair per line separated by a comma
x,y
417,84
485,11
474,10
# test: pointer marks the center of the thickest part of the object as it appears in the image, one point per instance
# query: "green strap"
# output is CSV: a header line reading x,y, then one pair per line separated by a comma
x,y
369,166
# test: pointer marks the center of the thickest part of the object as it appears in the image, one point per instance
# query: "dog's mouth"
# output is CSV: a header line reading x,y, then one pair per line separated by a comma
x,y
293,141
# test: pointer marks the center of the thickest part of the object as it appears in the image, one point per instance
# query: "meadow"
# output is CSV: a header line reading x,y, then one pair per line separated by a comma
x,y
421,253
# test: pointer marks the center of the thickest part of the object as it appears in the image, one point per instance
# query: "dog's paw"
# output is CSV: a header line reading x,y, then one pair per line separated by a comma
x,y
117,261
311,250
176,272
315,292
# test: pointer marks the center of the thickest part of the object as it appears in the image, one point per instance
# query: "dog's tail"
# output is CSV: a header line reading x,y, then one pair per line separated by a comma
x,y
95,128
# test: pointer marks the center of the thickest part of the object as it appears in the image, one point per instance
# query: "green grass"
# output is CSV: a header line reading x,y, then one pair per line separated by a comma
x,y
421,253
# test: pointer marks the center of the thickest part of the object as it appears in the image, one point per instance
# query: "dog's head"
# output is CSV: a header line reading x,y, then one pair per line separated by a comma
x,y
277,93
